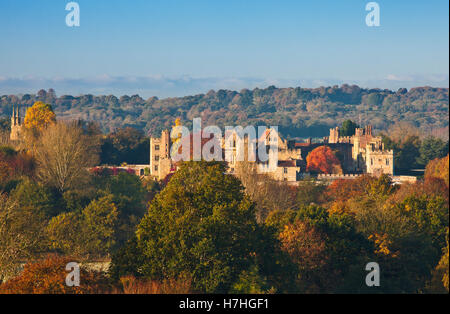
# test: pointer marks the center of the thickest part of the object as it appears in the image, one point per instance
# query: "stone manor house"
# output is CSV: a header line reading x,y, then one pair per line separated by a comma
x,y
362,153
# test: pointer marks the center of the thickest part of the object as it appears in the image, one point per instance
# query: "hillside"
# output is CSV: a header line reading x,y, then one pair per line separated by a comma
x,y
299,112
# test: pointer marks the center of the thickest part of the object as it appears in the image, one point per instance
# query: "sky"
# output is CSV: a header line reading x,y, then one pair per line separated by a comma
x,y
169,48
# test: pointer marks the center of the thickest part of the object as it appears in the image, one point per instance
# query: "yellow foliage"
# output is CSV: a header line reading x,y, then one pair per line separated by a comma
x,y
39,116
382,244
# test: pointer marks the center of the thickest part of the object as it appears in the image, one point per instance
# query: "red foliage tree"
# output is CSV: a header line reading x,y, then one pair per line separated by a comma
x,y
342,190
323,160
14,164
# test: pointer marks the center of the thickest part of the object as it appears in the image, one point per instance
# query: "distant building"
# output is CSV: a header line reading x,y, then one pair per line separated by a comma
x,y
16,124
361,153
368,152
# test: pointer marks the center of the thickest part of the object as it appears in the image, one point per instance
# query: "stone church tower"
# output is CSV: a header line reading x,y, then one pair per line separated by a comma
x,y
16,124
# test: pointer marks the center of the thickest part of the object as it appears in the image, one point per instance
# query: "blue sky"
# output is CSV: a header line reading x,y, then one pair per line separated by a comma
x,y
178,47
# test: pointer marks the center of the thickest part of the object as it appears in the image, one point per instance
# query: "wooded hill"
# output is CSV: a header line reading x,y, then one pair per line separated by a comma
x,y
299,112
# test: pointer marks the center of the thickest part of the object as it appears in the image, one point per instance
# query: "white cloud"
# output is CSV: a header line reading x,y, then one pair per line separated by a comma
x,y
162,86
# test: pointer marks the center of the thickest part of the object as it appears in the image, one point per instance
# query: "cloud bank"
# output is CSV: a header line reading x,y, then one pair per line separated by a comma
x,y
162,86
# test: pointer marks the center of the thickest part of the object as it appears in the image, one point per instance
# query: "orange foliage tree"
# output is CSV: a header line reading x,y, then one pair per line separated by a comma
x,y
438,168
306,247
342,190
48,276
323,160
39,116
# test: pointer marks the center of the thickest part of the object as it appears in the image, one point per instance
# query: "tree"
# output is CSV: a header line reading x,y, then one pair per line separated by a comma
x,y
39,116
443,265
406,151
125,145
13,166
324,246
438,168
310,191
63,153
323,160
99,220
48,276
431,148
128,194
22,235
268,194
86,234
306,247
348,128
37,197
405,235
201,224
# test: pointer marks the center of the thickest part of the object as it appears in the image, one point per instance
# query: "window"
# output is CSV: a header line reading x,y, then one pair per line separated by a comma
x,y
387,162
371,161
285,170
156,147
156,158
156,168
141,172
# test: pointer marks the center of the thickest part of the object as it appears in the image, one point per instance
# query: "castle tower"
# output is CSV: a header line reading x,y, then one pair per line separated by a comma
x,y
334,136
16,124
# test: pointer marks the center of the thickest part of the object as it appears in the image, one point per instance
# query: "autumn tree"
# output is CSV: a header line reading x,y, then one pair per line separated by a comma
x,y
323,160
310,191
443,266
13,166
306,247
48,276
22,234
407,233
324,247
267,193
63,153
39,116
438,168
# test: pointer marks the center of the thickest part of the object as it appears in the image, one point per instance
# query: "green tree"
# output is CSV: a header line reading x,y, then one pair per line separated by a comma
x,y
348,128
431,148
40,198
89,233
129,195
201,224
310,191
125,145
99,222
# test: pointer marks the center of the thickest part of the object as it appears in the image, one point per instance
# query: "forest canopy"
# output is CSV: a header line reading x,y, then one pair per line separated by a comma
x,y
299,112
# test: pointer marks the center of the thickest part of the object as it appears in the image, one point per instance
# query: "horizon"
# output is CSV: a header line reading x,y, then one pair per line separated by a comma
x,y
225,89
